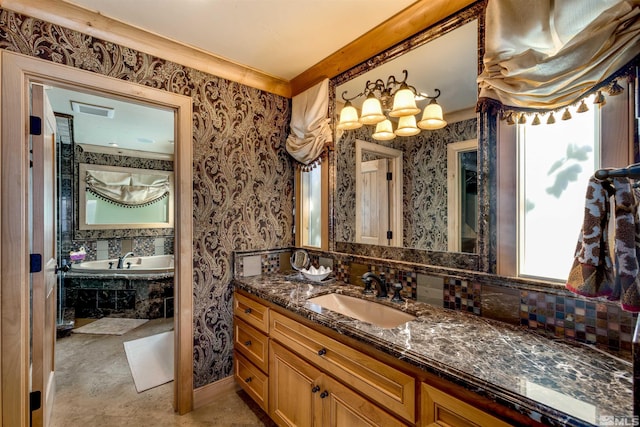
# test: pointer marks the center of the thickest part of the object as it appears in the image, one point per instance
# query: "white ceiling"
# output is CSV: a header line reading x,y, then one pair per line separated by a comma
x,y
448,63
282,38
133,126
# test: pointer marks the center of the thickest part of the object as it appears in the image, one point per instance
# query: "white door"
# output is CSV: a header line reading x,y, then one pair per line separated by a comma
x,y
373,203
43,242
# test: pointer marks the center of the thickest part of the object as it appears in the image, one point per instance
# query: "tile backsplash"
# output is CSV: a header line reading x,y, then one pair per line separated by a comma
x,y
553,312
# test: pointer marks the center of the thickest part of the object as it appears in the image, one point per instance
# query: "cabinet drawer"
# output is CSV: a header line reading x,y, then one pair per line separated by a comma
x,y
441,409
379,382
252,380
252,312
253,344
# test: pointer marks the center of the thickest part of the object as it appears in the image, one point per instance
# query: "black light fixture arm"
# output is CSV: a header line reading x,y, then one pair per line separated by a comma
x,y
432,98
349,99
383,89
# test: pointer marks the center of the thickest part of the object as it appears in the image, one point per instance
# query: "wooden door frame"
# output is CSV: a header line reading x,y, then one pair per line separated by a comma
x,y
18,71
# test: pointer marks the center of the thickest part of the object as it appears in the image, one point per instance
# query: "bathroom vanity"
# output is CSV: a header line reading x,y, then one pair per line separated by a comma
x,y
307,365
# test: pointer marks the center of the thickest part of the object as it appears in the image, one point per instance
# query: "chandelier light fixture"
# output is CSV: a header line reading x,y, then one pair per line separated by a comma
x,y
393,99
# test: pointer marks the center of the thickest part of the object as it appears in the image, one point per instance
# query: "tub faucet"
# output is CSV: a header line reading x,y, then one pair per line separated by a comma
x,y
121,259
381,283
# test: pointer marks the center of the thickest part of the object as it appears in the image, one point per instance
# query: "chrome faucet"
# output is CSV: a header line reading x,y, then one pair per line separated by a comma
x,y
381,284
121,259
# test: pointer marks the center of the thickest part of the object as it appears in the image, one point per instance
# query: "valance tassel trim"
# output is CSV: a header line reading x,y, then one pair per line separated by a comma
x,y
125,205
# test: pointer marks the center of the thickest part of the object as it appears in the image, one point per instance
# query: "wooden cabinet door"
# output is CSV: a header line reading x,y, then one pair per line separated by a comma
x,y
342,406
441,410
293,389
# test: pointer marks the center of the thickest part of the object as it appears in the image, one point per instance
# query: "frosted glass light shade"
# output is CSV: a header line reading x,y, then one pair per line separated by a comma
x,y
371,111
384,131
348,118
407,126
404,103
432,117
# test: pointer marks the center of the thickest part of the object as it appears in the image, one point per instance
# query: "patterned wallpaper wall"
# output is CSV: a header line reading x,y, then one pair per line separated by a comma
x,y
243,177
424,182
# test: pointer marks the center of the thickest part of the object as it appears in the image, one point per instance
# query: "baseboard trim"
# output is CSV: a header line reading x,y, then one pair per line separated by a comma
x,y
209,393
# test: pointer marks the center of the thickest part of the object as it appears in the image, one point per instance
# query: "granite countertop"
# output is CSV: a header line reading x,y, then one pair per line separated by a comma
x,y
551,381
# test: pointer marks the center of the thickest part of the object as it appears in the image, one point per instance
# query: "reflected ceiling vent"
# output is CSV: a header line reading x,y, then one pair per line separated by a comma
x,y
94,110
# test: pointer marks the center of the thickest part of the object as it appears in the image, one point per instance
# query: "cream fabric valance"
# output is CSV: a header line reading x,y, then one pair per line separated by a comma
x,y
127,189
310,131
548,54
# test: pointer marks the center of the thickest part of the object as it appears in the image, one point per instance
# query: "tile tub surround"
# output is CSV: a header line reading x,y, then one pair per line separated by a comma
x,y
139,296
497,360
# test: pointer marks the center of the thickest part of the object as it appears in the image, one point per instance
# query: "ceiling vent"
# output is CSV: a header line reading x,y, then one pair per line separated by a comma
x,y
94,110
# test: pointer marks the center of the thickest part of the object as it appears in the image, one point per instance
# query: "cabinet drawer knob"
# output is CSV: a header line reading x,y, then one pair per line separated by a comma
x,y
247,311
315,389
324,394
322,352
248,380
247,343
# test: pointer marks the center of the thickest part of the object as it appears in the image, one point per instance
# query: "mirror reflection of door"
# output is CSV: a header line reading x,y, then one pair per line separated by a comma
x,y
374,203
378,195
462,189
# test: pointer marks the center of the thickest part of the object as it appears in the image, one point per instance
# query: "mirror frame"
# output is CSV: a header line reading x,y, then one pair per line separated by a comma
x,y
484,259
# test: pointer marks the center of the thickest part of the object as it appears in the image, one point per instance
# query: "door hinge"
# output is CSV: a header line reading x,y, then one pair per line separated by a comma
x,y
35,400
389,176
389,235
35,263
35,125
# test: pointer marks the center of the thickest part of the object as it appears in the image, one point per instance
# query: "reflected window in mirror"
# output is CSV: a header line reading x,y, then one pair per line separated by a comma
x,y
543,174
312,207
462,192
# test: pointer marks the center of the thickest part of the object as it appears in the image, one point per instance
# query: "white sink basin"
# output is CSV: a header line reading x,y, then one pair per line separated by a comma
x,y
365,310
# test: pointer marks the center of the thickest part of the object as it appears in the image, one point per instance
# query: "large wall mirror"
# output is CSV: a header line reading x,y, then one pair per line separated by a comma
x,y
112,197
442,63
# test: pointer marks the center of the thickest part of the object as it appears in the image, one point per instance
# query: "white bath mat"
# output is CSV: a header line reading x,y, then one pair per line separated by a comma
x,y
110,326
151,360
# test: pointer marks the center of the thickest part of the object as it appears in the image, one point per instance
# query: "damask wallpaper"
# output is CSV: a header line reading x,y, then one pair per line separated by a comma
x,y
242,175
424,183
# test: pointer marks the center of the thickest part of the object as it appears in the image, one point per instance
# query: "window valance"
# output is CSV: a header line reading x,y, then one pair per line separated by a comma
x,y
127,189
311,134
546,55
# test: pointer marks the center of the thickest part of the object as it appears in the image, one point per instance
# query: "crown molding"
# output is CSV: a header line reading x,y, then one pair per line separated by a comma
x,y
85,21
415,18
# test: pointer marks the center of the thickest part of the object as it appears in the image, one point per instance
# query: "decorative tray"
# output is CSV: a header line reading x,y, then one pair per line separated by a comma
x,y
298,277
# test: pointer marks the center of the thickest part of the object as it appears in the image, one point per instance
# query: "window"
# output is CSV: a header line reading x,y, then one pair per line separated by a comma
x,y
555,163
312,207
542,178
